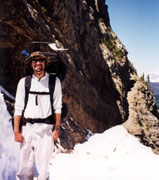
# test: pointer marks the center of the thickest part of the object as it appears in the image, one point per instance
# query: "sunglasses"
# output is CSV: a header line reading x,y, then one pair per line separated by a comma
x,y
38,60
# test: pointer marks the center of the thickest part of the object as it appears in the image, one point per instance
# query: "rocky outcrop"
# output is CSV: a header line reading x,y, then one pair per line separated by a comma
x,y
143,119
95,71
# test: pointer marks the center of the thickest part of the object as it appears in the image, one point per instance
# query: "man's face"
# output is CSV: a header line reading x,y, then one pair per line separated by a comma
x,y
38,65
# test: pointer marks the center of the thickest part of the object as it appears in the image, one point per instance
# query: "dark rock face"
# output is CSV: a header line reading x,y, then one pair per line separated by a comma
x,y
98,71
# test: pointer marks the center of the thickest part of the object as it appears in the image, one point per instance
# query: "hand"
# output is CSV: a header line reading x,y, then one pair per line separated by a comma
x,y
18,137
55,135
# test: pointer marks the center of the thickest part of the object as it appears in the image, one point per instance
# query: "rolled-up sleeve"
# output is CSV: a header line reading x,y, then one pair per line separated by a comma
x,y
57,96
20,95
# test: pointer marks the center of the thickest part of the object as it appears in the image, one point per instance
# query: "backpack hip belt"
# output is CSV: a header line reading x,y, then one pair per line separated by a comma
x,y
49,120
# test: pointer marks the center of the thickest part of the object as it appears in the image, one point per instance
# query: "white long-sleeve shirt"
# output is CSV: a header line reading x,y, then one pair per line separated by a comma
x,y
43,109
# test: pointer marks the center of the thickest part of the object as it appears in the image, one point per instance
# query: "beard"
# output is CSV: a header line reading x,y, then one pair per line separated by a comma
x,y
39,69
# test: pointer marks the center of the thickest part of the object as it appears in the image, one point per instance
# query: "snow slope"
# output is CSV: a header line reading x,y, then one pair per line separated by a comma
x,y
113,155
9,150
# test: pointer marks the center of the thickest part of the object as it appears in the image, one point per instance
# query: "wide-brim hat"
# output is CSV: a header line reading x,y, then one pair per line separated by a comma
x,y
36,55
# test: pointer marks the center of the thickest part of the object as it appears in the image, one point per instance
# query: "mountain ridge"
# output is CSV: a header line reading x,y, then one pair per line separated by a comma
x,y
154,78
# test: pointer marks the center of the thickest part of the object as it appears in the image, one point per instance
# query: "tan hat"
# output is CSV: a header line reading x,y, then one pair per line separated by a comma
x,y
36,55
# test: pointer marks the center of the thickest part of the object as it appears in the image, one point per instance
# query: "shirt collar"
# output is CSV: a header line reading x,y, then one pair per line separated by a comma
x,y
43,78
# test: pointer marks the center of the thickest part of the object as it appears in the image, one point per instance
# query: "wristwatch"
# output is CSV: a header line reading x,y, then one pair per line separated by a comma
x,y
57,128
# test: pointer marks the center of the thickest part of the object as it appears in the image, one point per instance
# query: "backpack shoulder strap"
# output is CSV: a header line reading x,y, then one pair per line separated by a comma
x,y
27,89
52,80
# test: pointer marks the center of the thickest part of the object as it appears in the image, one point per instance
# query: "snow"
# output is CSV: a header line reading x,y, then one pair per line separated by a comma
x,y
8,148
112,155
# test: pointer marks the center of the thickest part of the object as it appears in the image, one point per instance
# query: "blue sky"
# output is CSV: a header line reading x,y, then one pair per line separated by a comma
x,y
136,23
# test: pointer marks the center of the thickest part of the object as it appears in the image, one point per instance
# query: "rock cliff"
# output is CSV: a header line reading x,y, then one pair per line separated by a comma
x,y
96,72
143,116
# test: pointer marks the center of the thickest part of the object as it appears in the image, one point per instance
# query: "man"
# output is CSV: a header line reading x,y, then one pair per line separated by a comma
x,y
36,138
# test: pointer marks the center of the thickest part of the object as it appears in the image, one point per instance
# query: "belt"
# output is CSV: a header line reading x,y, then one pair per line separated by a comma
x,y
48,120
